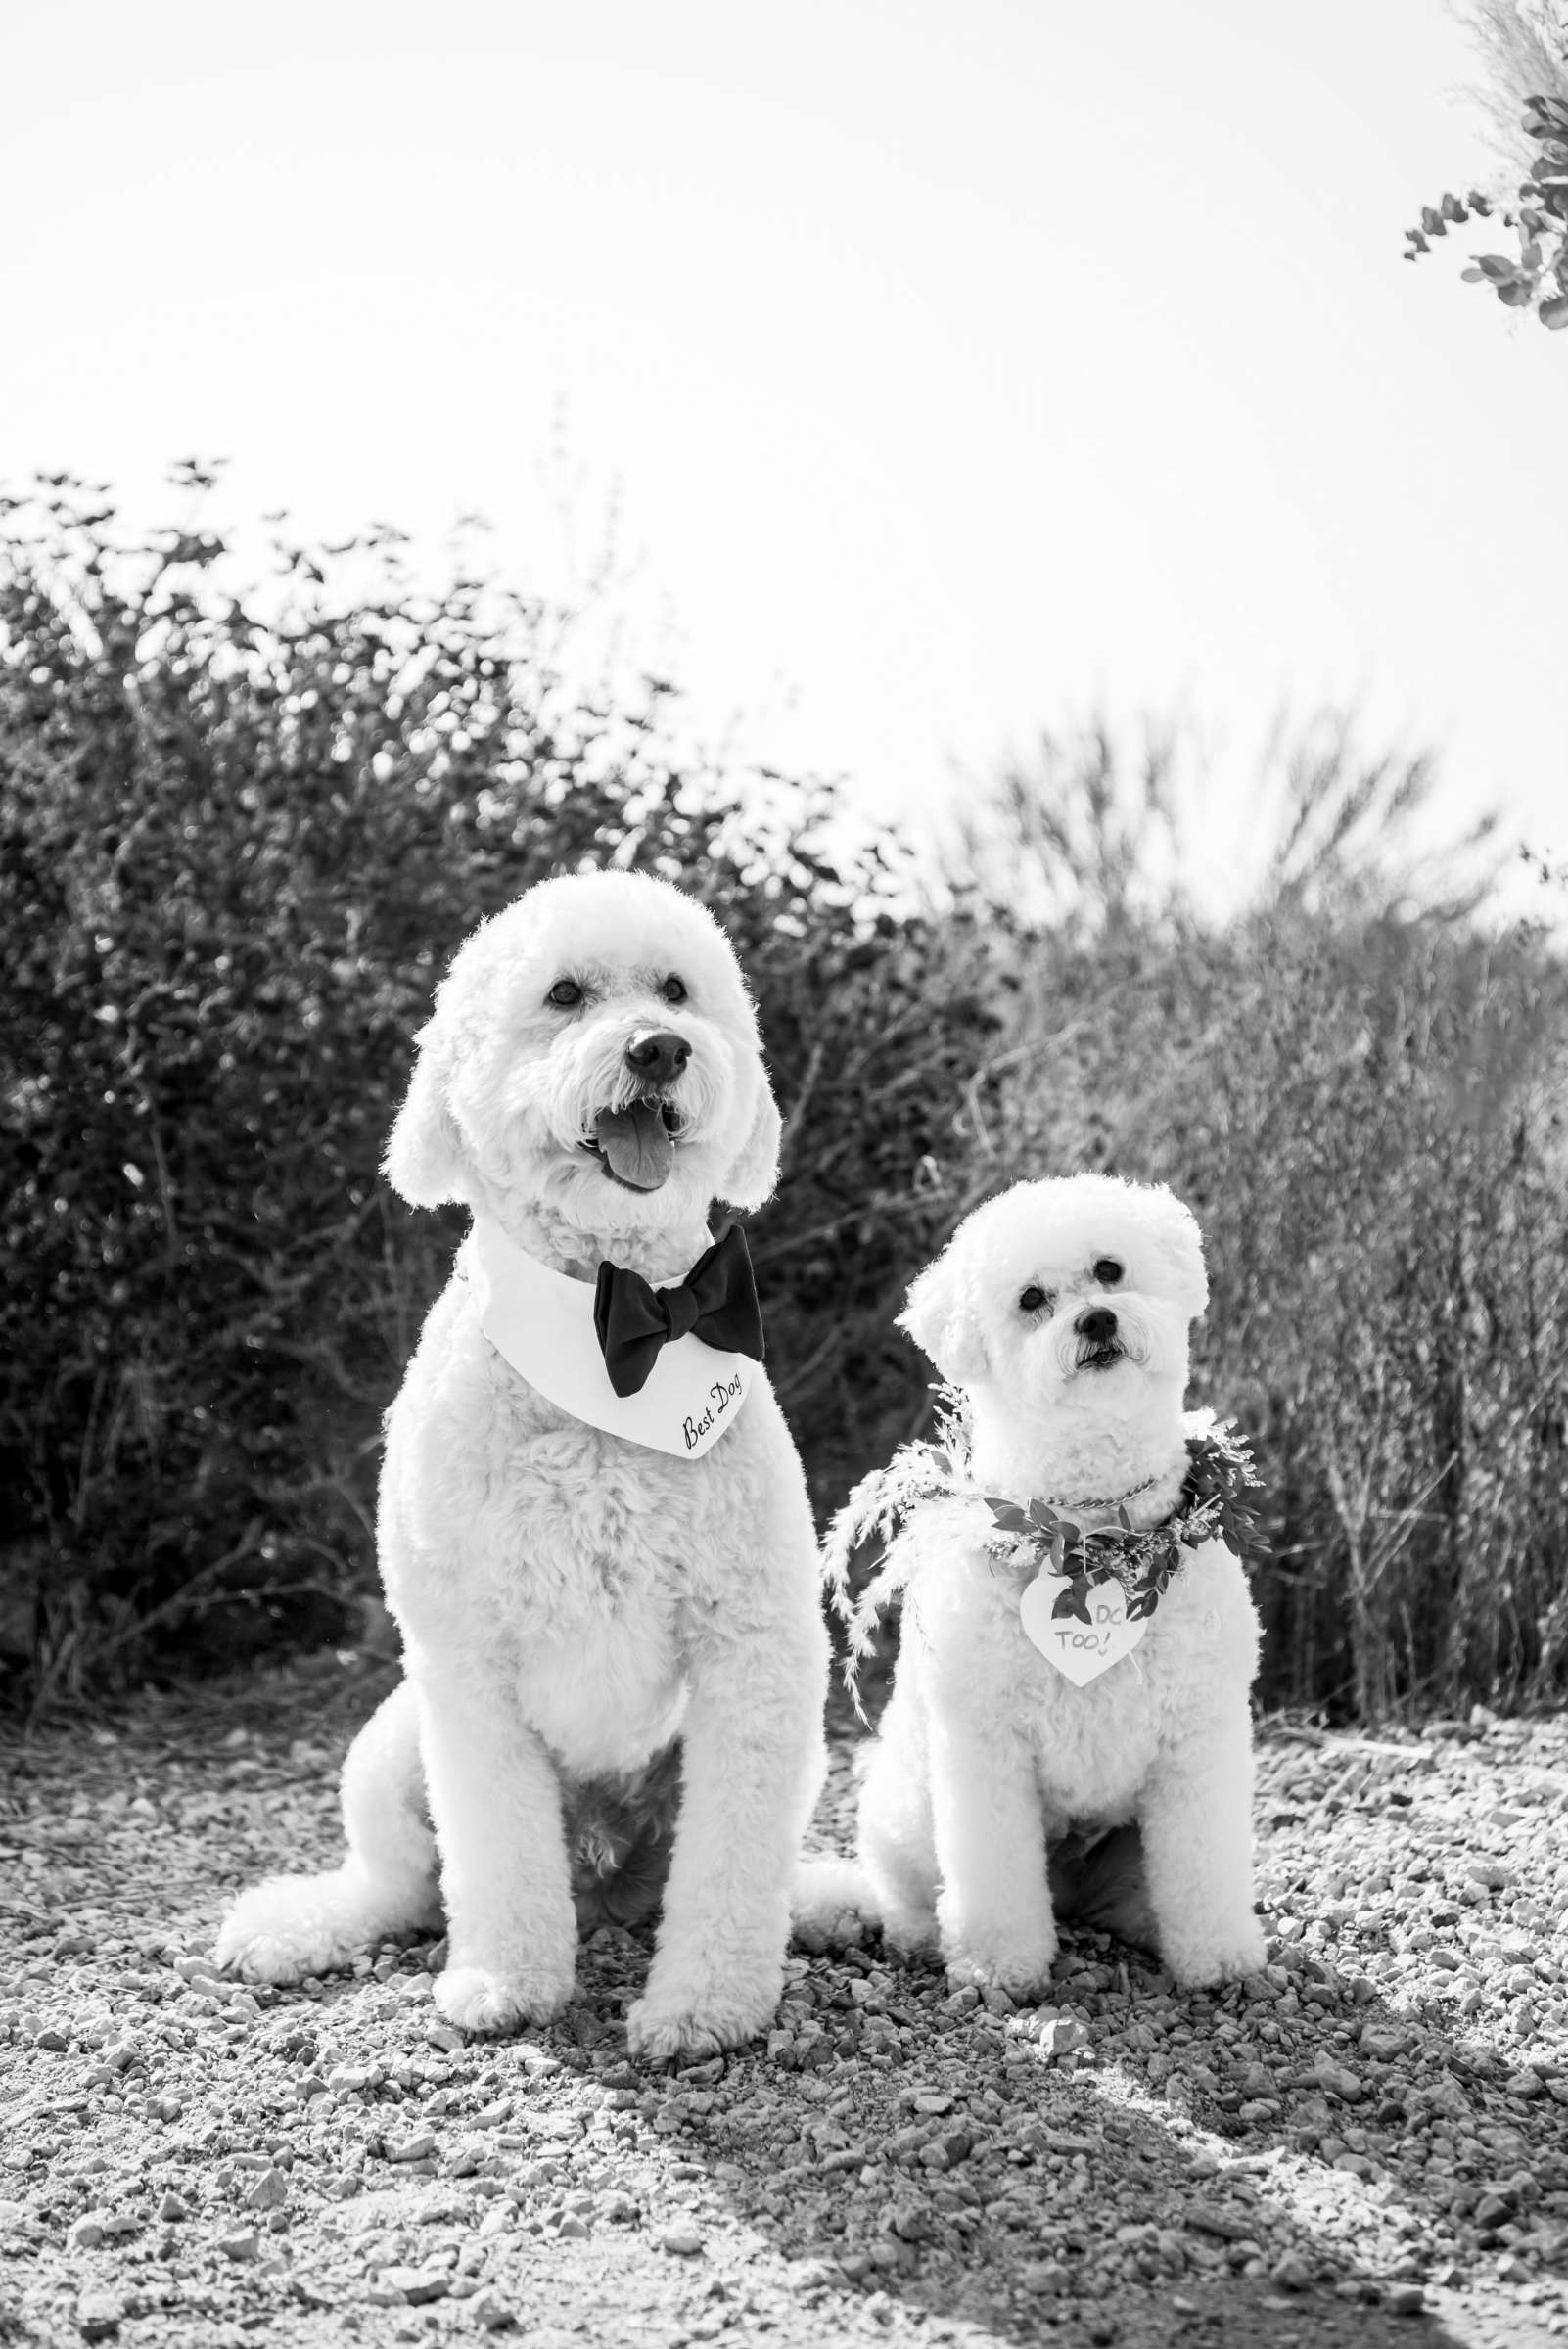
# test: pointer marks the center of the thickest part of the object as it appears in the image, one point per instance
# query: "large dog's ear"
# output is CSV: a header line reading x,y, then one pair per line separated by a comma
x,y
943,1317
1179,1243
750,1181
424,1161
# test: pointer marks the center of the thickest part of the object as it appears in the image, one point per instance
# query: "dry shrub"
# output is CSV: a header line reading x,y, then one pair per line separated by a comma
x,y
1360,1085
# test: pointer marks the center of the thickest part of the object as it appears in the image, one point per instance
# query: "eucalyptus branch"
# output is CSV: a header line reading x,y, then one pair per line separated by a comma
x,y
1535,278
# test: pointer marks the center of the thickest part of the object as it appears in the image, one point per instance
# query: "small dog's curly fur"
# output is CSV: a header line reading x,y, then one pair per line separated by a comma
x,y
1061,1309
591,1629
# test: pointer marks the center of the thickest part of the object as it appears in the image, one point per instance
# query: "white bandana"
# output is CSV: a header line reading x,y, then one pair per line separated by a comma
x,y
542,1322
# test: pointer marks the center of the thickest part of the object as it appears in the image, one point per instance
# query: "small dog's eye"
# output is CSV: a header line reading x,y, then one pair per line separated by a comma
x,y
1107,1272
674,990
1032,1299
564,994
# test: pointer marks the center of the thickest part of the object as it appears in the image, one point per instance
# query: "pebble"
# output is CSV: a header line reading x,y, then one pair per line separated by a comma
x,y
417,2286
1212,2220
98,2315
911,2223
1062,2035
350,2078
195,1968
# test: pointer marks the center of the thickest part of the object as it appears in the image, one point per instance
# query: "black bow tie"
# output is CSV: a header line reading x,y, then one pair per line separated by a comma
x,y
716,1301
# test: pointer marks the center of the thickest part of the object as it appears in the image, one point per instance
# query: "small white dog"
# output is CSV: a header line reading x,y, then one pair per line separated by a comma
x,y
581,1582
1025,1711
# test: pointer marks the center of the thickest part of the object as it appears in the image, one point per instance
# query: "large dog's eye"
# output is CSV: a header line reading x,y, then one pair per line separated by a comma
x,y
674,990
1107,1272
1032,1299
564,994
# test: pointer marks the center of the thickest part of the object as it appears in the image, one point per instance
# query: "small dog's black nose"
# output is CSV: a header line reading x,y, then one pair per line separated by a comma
x,y
659,1054
1098,1325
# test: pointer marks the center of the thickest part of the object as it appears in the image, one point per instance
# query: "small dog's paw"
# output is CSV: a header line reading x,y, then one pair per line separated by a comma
x,y
1200,1960
1024,1973
477,2000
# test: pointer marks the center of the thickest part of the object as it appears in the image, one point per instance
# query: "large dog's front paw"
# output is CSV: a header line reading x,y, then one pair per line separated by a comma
x,y
288,1927
831,1902
910,1932
661,2031
475,1998
680,2019
1023,1970
1201,1958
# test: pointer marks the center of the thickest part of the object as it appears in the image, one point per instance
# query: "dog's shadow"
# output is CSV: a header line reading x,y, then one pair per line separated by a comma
x,y
903,2149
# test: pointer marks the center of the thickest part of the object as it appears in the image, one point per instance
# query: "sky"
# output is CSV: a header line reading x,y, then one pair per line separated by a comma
x,y
936,375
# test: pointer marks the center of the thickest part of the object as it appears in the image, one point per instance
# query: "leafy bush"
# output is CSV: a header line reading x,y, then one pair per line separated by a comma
x,y
235,854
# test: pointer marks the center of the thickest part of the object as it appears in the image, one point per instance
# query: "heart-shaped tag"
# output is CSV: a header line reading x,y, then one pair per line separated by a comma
x,y
1080,1652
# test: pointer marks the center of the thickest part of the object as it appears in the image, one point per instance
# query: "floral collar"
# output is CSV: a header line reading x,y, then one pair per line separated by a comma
x,y
1213,1508
1038,1535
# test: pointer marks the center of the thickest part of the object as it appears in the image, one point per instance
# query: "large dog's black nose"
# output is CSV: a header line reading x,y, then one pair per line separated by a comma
x,y
1098,1325
658,1054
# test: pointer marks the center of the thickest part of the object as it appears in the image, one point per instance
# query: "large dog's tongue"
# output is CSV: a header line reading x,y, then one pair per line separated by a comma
x,y
635,1144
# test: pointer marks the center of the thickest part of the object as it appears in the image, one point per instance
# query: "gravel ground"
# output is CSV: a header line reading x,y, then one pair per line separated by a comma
x,y
1369,2145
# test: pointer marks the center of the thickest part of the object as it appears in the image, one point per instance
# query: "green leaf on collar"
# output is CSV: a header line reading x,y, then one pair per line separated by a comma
x,y
1074,1601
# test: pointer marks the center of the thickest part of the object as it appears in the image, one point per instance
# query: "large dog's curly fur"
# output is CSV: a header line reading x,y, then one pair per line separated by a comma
x,y
986,1756
574,1606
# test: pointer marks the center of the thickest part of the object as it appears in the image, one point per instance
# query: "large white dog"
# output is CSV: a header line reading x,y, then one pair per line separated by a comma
x,y
1027,1714
587,1581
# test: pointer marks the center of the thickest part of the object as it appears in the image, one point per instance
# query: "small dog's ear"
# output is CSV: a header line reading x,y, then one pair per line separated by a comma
x,y
941,1316
424,1161
750,1182
1180,1245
